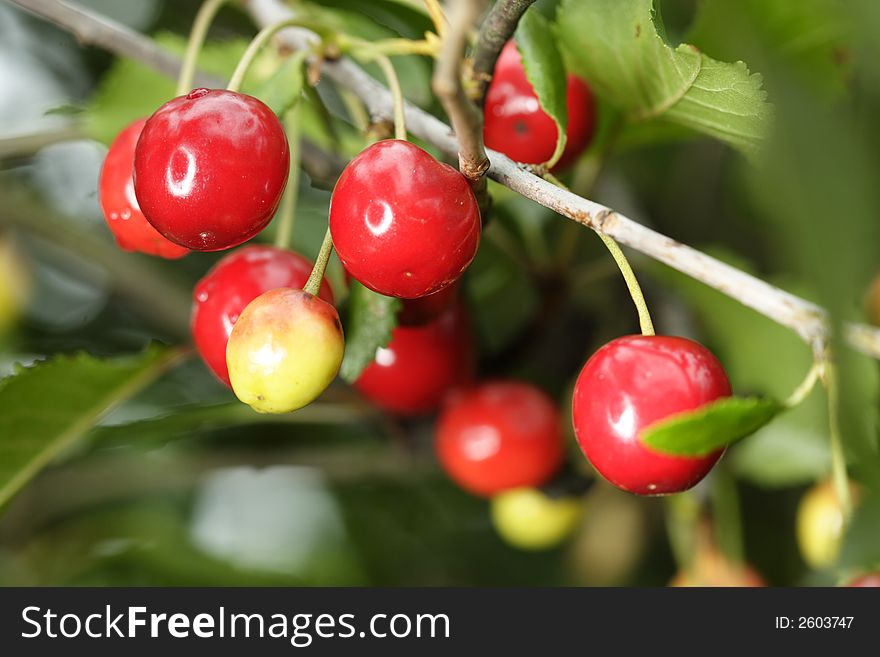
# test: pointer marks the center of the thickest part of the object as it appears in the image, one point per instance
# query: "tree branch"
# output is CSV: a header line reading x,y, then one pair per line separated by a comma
x,y
497,28
467,121
95,30
807,319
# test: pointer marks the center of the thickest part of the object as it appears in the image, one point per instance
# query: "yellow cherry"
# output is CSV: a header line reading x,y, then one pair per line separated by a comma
x,y
284,350
528,519
820,525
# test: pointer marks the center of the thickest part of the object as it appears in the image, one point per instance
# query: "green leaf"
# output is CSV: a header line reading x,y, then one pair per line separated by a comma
x,y
699,432
282,91
372,317
615,46
46,408
546,72
812,36
190,420
761,357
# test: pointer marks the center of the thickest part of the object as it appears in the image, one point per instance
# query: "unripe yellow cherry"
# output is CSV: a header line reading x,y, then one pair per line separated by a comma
x,y
820,525
284,350
15,284
528,519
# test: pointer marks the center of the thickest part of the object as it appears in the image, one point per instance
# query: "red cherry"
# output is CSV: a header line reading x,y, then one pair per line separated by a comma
x,y
498,436
403,224
421,364
210,169
121,211
868,581
631,383
516,125
235,281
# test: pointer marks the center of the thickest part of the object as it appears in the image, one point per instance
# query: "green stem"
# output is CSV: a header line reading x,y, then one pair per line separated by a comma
x,y
838,458
435,11
629,276
288,205
254,48
632,283
397,93
586,175
313,285
197,35
806,387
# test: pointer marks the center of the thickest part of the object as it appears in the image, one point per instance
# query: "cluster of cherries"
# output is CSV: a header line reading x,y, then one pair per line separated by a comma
x,y
206,172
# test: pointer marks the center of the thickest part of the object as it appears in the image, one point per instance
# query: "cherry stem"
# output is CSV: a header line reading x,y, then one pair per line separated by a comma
x,y
806,386
197,36
256,45
838,458
629,276
288,205
397,93
313,285
435,11
364,49
559,150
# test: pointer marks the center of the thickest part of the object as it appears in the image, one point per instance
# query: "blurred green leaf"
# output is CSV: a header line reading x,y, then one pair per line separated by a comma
x,y
861,549
197,418
46,408
502,295
812,35
371,319
282,91
615,46
545,71
699,432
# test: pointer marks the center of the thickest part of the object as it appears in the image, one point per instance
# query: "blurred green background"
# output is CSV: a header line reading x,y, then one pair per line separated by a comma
x,y
184,486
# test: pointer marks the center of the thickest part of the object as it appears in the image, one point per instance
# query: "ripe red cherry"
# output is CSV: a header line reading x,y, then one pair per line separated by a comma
x,y
121,211
498,436
516,125
421,364
235,281
868,581
403,224
210,169
631,383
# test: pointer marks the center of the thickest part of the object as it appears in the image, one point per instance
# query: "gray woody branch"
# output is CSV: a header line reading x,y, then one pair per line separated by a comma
x,y
808,320
496,30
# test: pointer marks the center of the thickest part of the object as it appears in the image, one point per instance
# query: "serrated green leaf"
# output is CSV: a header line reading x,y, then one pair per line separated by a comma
x,y
46,408
615,45
699,432
371,319
545,71
282,91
